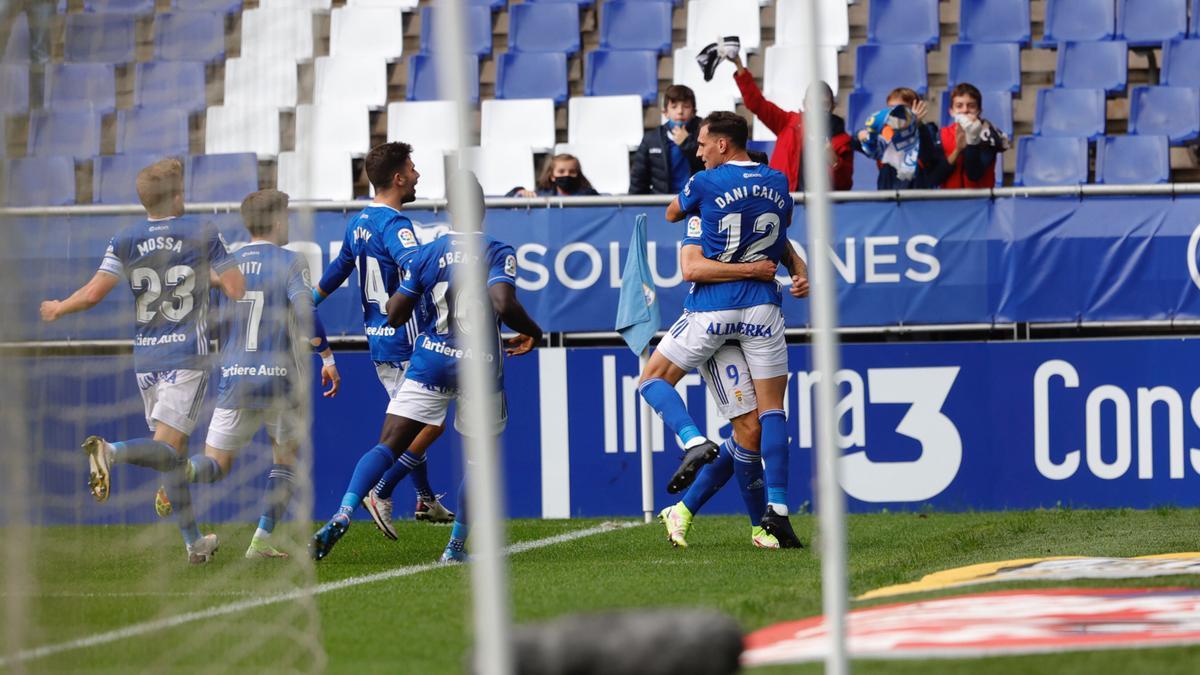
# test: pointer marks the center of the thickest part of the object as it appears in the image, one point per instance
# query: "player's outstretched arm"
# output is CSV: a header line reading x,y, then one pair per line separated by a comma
x,y
674,211
232,283
513,314
698,268
336,274
86,297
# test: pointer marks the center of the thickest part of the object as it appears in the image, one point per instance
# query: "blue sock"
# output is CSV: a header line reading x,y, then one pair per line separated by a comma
x,y
146,452
459,532
749,469
669,406
711,478
205,469
406,464
176,484
775,455
373,464
280,484
420,480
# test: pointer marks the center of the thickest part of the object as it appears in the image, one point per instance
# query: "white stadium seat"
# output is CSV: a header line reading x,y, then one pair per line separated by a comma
x,y
366,31
688,72
260,82
277,34
784,80
500,167
316,175
603,119
710,20
402,5
306,5
344,127
606,165
707,101
351,79
423,124
791,17
523,121
431,164
242,129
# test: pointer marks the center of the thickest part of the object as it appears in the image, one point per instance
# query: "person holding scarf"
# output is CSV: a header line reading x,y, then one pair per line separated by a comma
x,y
914,161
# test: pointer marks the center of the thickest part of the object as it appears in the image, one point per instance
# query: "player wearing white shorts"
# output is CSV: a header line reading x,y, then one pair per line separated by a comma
x,y
167,260
738,212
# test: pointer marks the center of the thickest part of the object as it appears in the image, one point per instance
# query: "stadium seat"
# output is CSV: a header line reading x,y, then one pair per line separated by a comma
x,y
16,50
366,31
134,7
636,24
260,82
479,30
709,19
402,5
992,67
1168,111
544,27
500,168
605,119
1133,160
1181,63
1093,65
277,34
423,82
606,165
1043,160
431,163
527,121
784,77
99,38
532,75
615,73
1194,24
242,128
114,176
351,79
903,22
340,127
41,181
997,109
221,6
866,174
885,67
14,89
687,72
429,121
1149,23
862,104
1079,20
306,5
174,84
791,17
317,175
81,86
994,21
189,36
1069,112
161,131
580,3
221,178
67,133
708,101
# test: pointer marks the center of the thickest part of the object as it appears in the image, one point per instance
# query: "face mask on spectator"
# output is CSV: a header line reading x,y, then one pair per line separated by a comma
x,y
567,184
675,124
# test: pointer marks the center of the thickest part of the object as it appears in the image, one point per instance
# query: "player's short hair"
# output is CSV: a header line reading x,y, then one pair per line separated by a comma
x,y
967,89
909,96
385,161
261,209
473,192
679,93
730,125
160,183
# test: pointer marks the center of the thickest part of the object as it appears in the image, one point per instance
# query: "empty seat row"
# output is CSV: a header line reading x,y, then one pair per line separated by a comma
x,y
1173,112
77,132
1127,160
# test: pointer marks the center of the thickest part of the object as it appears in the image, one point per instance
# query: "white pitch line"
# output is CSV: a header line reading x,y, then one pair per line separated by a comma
x,y
241,606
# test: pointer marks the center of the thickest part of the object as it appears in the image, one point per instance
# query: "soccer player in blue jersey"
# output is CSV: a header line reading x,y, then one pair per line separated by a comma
x,y
262,363
378,241
167,260
738,211
431,290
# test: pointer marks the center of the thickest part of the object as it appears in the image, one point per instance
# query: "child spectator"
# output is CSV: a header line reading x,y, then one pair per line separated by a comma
x,y
666,158
971,143
562,176
931,167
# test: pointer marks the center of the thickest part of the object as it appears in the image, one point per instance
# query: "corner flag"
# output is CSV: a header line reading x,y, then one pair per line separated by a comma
x,y
637,310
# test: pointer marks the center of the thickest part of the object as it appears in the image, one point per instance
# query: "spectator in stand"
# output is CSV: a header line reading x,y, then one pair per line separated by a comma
x,y
931,168
666,159
562,176
971,143
788,127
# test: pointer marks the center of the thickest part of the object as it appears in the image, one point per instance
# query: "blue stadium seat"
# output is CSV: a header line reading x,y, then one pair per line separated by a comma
x,y
581,3
423,79
14,89
991,67
994,21
69,133
1149,23
636,24
161,131
997,109
1079,20
170,84
1194,26
861,104
135,7
114,177
1070,112
41,181
189,36
222,6
885,67
896,22
1181,63
494,5
1133,160
102,38
1093,65
81,86
16,50
479,30
613,73
1043,160
866,174
221,178
532,75
544,27
1167,111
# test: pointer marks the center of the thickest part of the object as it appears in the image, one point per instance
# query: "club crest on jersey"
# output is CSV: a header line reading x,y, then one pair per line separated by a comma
x,y
510,265
693,229
407,238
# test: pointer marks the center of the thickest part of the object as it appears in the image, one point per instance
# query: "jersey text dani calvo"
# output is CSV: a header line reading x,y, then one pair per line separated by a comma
x,y
167,263
738,212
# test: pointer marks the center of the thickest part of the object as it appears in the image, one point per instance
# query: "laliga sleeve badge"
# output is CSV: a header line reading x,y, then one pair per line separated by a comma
x,y
693,229
510,265
306,276
407,238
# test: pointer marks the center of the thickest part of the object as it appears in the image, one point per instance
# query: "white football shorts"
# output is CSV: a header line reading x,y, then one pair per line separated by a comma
x,y
728,380
696,336
391,376
173,397
429,404
232,429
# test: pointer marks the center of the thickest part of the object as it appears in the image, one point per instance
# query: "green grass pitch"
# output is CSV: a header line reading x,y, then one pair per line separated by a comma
x,y
90,580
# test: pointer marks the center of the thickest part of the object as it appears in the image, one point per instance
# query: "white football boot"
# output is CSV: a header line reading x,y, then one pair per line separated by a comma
x,y
381,512
202,550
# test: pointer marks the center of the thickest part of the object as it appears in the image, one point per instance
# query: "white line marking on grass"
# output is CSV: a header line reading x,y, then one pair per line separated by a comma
x,y
241,606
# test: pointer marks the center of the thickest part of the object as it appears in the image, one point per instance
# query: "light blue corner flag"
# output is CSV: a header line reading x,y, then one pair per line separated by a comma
x,y
637,311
